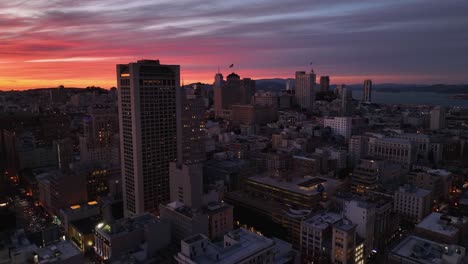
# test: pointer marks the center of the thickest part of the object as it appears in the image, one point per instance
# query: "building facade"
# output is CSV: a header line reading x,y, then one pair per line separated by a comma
x,y
148,98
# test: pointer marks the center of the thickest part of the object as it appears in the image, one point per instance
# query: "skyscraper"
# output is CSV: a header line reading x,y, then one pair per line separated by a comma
x,y
324,83
234,91
149,94
367,91
437,118
305,89
346,101
191,129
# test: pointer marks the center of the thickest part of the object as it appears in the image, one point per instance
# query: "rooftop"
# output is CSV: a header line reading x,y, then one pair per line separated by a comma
x,y
421,250
127,224
436,222
86,225
344,224
246,243
322,220
411,189
307,185
59,251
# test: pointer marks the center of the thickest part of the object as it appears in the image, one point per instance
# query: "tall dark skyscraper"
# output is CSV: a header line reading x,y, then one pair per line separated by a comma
x,y
367,91
191,128
324,83
149,94
305,89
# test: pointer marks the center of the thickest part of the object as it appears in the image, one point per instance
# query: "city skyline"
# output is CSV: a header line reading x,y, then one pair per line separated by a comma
x,y
46,44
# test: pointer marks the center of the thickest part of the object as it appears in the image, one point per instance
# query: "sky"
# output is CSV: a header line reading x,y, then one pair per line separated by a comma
x,y
46,43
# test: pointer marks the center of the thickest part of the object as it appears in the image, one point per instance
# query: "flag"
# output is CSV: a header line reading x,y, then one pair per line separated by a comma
x,y
232,65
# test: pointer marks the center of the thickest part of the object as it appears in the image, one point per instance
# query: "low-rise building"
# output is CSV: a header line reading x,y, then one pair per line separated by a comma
x,y
416,250
303,192
142,233
238,247
438,182
401,151
442,228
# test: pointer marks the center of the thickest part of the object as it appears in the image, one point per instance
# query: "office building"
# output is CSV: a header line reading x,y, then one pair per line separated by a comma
x,y
367,91
63,252
305,89
416,250
144,234
148,98
358,148
339,126
185,221
58,190
290,84
301,192
370,173
422,142
412,203
270,99
339,90
387,222
316,232
232,91
238,247
347,247
347,107
437,120
442,228
438,182
191,129
363,215
401,151
100,140
253,114
324,83
186,184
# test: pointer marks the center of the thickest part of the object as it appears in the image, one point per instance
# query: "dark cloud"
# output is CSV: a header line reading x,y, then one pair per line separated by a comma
x,y
359,38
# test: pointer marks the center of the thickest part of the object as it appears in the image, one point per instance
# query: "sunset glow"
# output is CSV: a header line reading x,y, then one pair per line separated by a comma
x,y
77,44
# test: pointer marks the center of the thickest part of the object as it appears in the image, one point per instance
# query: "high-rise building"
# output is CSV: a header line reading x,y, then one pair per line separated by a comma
x,y
347,247
358,147
369,173
339,126
149,94
339,90
290,84
367,91
191,129
316,231
100,141
346,101
305,89
362,213
437,118
413,203
324,83
234,91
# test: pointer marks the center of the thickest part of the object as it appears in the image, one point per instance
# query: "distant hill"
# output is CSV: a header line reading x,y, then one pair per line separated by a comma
x,y
280,84
274,85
